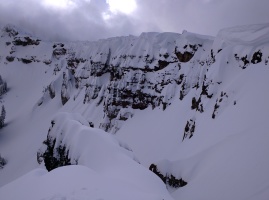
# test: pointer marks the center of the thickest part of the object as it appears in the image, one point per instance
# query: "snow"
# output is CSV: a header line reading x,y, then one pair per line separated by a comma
x,y
225,159
75,182
105,170
226,167
256,34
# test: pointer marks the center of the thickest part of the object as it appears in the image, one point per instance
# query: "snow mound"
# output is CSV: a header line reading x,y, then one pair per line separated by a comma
x,y
75,182
84,145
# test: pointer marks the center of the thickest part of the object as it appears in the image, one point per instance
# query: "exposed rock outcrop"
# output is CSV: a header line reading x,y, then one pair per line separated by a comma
x,y
25,41
168,179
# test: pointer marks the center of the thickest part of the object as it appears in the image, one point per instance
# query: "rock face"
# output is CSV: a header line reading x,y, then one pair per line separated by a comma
x,y
129,73
24,41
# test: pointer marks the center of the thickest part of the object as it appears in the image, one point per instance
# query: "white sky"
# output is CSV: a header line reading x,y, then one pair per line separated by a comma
x,y
95,19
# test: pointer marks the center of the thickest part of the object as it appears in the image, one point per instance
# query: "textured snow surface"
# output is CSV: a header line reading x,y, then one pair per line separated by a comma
x,y
218,89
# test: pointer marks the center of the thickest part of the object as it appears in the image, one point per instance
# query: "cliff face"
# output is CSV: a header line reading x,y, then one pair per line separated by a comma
x,y
128,73
119,74
123,74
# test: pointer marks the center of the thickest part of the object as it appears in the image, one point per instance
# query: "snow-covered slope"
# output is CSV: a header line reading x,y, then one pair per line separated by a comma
x,y
106,170
193,108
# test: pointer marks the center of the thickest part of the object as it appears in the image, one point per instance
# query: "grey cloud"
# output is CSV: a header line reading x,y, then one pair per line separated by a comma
x,y
85,21
204,16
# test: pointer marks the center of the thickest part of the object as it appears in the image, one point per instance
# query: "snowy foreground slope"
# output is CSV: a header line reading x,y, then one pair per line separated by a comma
x,y
191,108
105,169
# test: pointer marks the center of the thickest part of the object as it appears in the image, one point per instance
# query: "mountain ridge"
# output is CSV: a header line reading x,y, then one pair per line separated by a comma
x,y
173,98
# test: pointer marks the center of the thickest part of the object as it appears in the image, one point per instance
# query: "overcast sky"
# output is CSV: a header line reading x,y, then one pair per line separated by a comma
x,y
96,19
